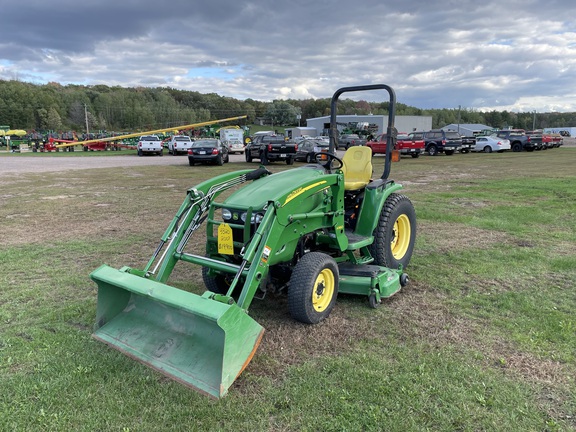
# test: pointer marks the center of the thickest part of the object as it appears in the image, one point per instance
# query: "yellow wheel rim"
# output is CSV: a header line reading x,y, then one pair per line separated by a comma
x,y
401,237
323,290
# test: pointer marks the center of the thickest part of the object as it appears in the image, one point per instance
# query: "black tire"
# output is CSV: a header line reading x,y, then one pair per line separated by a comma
x,y
248,156
432,150
290,161
227,158
516,147
161,153
395,234
219,160
415,155
139,152
313,288
372,301
191,162
217,284
308,158
449,152
487,149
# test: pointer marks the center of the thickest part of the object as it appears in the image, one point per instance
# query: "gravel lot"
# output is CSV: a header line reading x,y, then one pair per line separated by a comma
x,y
9,165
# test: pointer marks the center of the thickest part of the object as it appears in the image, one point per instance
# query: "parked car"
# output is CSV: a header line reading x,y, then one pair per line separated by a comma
x,y
149,144
406,144
349,140
271,148
309,148
441,141
179,144
235,146
492,143
208,150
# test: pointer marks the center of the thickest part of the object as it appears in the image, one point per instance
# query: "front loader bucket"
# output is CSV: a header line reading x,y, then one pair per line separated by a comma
x,y
200,342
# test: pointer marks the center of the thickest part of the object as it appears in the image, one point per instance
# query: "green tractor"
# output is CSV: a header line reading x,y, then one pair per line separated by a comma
x,y
314,231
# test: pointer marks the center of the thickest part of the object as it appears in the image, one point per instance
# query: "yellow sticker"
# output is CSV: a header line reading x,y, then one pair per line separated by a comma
x,y
225,242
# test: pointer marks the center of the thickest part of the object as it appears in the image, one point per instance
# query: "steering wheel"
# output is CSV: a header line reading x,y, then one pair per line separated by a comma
x,y
327,161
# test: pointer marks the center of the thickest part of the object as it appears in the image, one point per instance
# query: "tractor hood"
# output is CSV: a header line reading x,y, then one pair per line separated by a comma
x,y
275,187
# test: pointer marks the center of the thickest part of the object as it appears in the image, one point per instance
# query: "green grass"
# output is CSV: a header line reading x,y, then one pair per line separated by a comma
x,y
483,338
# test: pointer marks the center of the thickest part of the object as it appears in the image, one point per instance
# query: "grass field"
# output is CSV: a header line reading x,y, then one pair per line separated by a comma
x,y
483,339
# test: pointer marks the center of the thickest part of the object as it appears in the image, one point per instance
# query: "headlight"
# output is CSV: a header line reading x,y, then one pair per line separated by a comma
x,y
226,214
255,218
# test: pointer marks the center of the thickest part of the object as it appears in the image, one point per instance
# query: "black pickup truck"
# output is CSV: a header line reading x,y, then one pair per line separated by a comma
x,y
270,149
520,141
468,144
440,141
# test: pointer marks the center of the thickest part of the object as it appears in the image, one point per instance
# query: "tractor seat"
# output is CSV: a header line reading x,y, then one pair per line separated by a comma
x,y
357,167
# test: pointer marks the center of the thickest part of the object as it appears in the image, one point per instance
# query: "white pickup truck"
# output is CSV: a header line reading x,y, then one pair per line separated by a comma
x,y
149,144
179,144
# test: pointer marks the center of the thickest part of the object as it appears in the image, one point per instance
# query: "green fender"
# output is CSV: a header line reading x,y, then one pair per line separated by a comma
x,y
376,194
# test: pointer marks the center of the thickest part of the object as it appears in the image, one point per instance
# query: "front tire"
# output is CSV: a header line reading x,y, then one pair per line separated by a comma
x,y
395,233
217,284
313,288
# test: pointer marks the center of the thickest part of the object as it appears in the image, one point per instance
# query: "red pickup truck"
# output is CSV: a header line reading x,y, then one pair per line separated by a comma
x,y
409,144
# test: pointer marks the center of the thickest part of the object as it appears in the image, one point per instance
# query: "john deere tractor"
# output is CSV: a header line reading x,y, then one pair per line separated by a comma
x,y
313,231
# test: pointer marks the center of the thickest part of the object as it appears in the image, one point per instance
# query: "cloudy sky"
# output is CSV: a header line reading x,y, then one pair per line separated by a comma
x,y
518,55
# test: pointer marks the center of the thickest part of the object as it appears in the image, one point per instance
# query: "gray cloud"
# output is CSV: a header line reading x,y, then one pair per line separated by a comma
x,y
510,54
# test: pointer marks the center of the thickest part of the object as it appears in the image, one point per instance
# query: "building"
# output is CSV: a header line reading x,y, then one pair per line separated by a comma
x,y
379,122
570,130
466,129
300,131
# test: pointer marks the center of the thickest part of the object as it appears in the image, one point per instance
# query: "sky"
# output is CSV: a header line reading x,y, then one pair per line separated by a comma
x,y
515,55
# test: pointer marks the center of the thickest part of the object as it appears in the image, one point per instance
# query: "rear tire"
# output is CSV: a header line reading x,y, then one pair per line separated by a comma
x,y
395,233
313,288
290,161
219,160
432,150
516,147
248,156
487,149
415,155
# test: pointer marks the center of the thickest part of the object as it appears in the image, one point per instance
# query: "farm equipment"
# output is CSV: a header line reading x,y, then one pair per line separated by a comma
x,y
312,232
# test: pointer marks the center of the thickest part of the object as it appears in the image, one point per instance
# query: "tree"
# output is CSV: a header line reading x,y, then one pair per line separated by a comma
x,y
53,120
282,113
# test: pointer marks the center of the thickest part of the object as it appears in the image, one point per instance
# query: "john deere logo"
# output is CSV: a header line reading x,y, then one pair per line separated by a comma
x,y
235,216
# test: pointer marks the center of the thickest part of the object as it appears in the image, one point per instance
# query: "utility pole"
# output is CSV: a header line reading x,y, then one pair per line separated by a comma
x,y
86,118
534,121
459,108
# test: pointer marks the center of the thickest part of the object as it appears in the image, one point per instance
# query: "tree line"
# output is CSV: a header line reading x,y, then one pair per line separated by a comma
x,y
57,107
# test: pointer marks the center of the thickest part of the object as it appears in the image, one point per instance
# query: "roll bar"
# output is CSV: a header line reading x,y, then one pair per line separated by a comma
x,y
391,132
